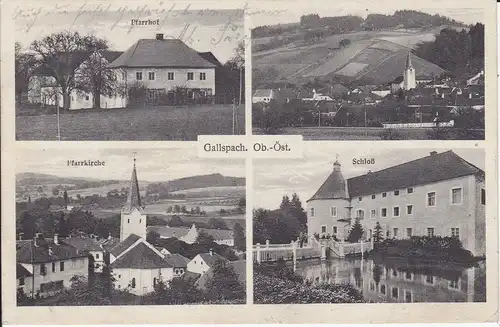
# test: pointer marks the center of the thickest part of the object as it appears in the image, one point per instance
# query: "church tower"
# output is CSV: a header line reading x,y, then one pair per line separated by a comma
x,y
133,218
409,81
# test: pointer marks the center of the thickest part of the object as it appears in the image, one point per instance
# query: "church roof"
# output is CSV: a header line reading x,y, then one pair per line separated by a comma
x,y
430,169
133,197
142,256
124,245
408,61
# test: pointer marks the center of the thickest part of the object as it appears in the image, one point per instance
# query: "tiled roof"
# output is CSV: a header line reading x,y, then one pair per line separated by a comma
x,y
110,56
133,197
161,53
142,256
429,169
238,266
176,260
22,272
83,244
210,57
218,234
210,259
46,251
335,187
262,93
124,245
168,232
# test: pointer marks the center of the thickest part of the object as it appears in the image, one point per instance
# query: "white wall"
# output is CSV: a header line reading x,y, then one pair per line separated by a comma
x,y
133,223
197,265
143,279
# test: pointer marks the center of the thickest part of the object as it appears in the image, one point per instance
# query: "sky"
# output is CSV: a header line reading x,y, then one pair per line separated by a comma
x,y
217,31
274,178
463,11
153,165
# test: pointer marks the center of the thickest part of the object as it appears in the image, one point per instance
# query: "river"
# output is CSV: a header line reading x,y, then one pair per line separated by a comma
x,y
399,281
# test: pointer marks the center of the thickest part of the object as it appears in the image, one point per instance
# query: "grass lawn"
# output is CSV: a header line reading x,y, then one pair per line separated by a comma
x,y
133,124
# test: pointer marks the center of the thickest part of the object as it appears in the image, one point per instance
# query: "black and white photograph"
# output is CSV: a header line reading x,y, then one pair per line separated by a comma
x,y
369,72
370,226
99,72
129,227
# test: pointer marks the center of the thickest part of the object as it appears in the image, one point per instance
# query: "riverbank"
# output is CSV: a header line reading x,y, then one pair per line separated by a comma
x,y
278,284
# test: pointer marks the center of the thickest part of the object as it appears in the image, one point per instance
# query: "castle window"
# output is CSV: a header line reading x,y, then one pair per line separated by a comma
x,y
190,76
455,232
382,289
456,195
483,196
323,229
312,212
396,193
384,195
409,209
333,211
395,212
408,297
373,213
128,221
408,232
383,212
151,76
360,214
138,76
431,199
395,232
395,292
335,230
430,232
409,190
170,76
373,196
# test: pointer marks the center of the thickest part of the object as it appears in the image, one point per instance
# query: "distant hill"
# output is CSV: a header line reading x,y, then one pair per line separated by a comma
x,y
194,182
31,179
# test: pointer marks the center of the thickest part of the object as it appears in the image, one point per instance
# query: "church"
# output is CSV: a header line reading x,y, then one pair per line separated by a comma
x,y
137,265
438,195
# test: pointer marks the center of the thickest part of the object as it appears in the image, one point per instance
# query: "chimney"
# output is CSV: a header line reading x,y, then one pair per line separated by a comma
x,y
159,36
433,153
50,250
21,236
211,251
56,239
109,236
36,239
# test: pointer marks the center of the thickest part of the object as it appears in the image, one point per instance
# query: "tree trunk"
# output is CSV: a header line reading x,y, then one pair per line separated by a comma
x,y
97,99
66,100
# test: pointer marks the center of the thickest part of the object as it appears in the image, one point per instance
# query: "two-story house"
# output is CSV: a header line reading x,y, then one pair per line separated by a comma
x,y
164,66
437,195
48,265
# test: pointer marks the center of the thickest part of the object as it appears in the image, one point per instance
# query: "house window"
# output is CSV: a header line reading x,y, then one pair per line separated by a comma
x,y
430,232
360,198
312,212
190,76
335,230
395,212
21,281
455,232
388,233
154,281
384,195
409,209
396,193
483,196
87,98
333,211
429,279
395,232
53,267
203,76
431,199
133,283
323,229
61,266
382,289
373,196
170,76
409,190
408,232
151,76
395,292
43,269
360,213
138,76
373,213
456,195
97,256
383,212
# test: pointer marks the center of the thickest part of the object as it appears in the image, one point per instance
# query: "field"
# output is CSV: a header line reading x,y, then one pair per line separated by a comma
x,y
359,133
133,124
298,63
214,192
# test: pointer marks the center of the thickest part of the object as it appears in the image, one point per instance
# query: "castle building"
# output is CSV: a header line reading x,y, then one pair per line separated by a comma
x,y
409,78
437,195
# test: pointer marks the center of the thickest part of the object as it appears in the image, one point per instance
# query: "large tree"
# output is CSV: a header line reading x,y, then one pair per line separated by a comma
x,y
25,65
239,237
62,53
224,284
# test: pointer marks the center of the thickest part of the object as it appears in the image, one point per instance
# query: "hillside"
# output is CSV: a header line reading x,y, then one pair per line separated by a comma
x,y
69,183
194,182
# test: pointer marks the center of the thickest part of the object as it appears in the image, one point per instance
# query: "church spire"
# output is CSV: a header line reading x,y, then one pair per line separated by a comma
x,y
408,61
134,197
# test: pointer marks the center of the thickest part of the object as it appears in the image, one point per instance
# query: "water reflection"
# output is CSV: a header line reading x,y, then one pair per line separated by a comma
x,y
401,281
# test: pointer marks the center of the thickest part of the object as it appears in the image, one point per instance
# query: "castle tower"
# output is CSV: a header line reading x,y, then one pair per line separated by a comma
x,y
133,218
409,81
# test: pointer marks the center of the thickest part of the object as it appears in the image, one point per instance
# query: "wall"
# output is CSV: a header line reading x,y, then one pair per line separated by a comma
x,y
322,216
480,221
143,278
197,265
180,78
77,266
133,223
